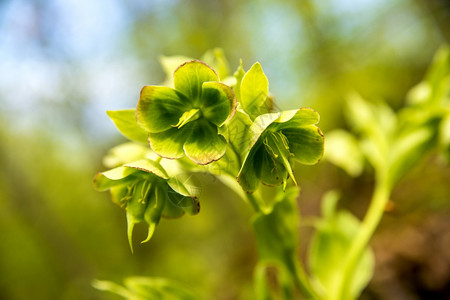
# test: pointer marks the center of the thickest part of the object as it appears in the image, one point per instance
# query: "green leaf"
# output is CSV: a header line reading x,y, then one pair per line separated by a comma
x,y
125,121
408,149
330,244
218,102
190,76
159,108
342,149
169,144
305,143
254,90
148,287
238,132
277,232
204,144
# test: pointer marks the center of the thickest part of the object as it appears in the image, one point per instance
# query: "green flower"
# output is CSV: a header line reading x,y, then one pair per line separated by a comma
x,y
145,191
275,140
186,120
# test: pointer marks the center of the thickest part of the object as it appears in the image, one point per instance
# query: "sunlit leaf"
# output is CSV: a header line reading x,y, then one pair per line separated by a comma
x,y
342,149
254,90
125,121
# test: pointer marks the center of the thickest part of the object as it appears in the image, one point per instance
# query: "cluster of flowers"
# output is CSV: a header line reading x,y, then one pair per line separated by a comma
x,y
201,120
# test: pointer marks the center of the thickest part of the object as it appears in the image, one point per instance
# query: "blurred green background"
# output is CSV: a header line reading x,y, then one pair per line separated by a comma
x,y
63,63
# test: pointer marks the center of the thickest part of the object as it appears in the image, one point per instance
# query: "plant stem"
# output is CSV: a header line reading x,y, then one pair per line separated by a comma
x,y
255,203
371,220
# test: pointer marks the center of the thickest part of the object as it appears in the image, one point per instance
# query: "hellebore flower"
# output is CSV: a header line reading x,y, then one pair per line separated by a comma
x,y
145,191
275,140
186,120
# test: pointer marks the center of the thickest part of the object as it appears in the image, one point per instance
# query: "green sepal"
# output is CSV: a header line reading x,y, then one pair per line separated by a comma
x,y
297,118
218,102
125,121
306,143
204,144
159,108
190,76
277,146
136,205
169,144
249,175
156,202
272,171
121,175
181,197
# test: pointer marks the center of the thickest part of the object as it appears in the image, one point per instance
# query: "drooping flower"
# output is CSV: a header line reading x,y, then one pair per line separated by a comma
x,y
144,189
275,139
186,119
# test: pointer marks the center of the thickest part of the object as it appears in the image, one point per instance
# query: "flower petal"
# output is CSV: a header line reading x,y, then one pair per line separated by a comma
x,y
160,107
169,144
189,77
306,143
218,102
204,144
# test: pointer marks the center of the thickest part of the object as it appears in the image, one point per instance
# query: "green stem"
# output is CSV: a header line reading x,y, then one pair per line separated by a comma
x,y
372,219
255,203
